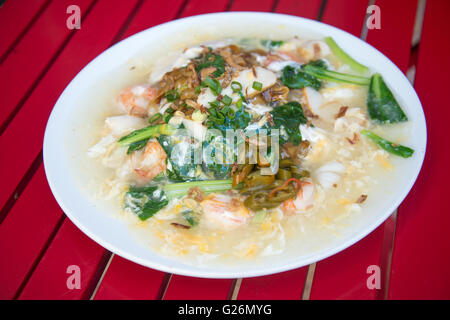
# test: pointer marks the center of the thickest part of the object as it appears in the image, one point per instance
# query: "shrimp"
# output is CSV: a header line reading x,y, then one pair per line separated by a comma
x,y
304,200
224,212
135,100
149,162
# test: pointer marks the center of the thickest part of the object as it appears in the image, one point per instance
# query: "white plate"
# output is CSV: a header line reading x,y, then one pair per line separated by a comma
x,y
114,235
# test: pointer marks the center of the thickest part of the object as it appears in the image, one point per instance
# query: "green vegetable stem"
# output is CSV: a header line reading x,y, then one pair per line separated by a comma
x,y
344,57
390,147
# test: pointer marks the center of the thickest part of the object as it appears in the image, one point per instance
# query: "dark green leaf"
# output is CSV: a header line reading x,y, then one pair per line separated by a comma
x,y
288,117
294,78
381,103
145,201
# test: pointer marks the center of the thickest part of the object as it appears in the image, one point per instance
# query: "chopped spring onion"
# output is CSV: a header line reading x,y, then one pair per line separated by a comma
x,y
226,100
213,84
215,104
236,86
257,85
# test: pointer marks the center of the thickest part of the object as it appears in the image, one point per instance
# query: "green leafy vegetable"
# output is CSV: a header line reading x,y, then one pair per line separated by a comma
x,y
295,78
145,201
381,103
146,133
390,147
288,117
311,74
344,57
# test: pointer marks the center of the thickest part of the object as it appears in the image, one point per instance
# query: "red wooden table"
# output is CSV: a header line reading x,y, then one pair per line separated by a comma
x,y
39,56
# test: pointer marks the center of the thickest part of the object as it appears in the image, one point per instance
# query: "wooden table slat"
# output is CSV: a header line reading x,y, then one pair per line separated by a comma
x,y
252,5
25,231
195,7
303,8
421,260
126,280
54,276
95,35
13,25
394,37
187,288
281,286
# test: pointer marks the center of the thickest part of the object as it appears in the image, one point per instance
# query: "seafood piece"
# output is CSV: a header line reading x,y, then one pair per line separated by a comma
x,y
224,212
304,200
135,100
151,161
